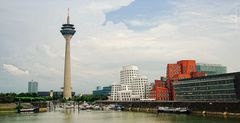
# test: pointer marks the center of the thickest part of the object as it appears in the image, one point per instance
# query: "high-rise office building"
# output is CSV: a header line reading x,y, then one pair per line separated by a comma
x,y
32,87
211,69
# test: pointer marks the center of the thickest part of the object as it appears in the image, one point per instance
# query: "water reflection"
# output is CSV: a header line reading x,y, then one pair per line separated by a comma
x,y
75,116
68,115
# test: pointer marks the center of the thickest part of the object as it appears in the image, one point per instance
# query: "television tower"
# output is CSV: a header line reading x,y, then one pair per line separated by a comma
x,y
67,31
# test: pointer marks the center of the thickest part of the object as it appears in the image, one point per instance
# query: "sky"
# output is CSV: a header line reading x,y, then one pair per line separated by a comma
x,y
111,34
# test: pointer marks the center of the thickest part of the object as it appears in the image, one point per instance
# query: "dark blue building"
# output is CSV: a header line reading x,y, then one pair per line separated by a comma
x,y
105,91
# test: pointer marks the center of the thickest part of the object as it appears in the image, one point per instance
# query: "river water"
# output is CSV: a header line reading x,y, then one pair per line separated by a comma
x,y
108,117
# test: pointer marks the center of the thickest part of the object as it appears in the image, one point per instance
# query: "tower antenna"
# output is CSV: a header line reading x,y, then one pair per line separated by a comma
x,y
68,18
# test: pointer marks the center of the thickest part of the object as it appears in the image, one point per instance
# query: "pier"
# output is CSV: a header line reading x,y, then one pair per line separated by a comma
x,y
214,108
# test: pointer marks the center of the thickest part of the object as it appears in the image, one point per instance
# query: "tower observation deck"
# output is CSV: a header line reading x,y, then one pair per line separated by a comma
x,y
68,29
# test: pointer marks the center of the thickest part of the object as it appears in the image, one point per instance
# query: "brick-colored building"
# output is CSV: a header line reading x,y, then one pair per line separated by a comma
x,y
183,69
187,66
159,91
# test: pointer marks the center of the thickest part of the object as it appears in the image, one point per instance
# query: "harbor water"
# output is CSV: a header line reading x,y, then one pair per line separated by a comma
x,y
70,116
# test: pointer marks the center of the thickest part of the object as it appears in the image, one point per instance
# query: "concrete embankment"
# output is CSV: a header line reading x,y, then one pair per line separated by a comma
x,y
205,108
8,107
11,107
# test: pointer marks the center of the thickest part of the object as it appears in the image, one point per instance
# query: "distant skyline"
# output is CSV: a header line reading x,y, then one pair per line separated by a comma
x,y
111,34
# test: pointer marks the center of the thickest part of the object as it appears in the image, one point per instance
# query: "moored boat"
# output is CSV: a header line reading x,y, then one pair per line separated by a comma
x,y
119,107
181,110
34,110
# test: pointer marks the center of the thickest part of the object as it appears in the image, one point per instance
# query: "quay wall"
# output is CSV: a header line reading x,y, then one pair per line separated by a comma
x,y
195,107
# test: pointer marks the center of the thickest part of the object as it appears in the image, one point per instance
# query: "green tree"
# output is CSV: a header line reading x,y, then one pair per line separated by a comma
x,y
7,97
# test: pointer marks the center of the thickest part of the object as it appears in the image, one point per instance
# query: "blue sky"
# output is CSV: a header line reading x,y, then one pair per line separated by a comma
x,y
111,34
140,11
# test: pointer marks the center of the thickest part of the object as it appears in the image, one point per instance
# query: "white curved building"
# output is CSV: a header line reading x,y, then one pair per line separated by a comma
x,y
133,86
127,74
139,86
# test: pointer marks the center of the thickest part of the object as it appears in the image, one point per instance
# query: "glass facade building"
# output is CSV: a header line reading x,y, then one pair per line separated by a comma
x,y
105,91
222,87
211,69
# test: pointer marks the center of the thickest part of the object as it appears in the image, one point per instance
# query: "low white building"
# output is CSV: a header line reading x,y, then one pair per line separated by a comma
x,y
114,92
125,95
120,93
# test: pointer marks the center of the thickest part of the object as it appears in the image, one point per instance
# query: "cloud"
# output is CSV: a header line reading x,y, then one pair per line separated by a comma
x,y
48,51
139,23
14,70
108,5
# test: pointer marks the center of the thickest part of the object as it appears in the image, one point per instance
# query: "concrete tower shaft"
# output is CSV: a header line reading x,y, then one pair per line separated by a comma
x,y
67,31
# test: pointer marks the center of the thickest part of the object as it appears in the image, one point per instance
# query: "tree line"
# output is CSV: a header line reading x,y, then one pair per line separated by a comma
x,y
33,97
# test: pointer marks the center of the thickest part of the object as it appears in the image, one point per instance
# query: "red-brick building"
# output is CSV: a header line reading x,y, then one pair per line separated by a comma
x,y
187,66
163,89
159,91
182,70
